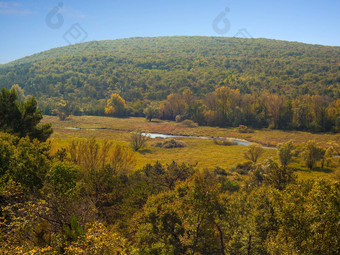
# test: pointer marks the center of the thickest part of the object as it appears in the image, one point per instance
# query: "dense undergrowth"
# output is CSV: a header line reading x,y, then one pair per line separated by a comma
x,y
86,199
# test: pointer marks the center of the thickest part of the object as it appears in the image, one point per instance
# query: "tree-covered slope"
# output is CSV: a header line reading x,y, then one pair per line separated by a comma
x,y
152,68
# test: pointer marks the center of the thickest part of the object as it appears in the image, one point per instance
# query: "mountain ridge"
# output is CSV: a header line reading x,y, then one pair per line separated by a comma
x,y
151,68
19,60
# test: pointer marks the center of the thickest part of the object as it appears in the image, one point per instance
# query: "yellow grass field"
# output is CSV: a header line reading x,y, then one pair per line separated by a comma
x,y
204,153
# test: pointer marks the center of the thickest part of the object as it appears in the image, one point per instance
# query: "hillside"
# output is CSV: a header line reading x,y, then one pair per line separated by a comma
x,y
152,68
208,146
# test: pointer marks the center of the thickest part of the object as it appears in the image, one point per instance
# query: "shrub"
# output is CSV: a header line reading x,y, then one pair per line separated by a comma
x,y
229,185
92,155
243,168
172,143
224,142
254,152
220,171
179,118
244,129
138,140
189,123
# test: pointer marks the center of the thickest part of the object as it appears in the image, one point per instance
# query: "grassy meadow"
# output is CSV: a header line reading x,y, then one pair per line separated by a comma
x,y
203,153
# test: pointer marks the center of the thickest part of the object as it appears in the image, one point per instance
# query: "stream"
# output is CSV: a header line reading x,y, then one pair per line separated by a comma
x,y
236,141
164,136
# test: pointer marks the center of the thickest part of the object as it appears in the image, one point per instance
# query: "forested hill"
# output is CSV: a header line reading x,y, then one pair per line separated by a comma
x,y
152,68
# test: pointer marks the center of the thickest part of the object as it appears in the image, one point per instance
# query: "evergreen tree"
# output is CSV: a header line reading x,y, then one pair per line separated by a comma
x,y
21,118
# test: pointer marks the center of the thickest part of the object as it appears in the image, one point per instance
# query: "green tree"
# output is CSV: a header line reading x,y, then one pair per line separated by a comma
x,y
183,221
307,215
151,112
20,92
285,152
30,163
21,118
23,161
278,176
312,153
10,114
62,177
7,150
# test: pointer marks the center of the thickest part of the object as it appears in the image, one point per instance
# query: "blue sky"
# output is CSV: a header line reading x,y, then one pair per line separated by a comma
x,y
28,27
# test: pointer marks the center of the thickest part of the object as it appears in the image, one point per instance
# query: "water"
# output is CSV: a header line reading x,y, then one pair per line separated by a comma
x,y
164,136
74,128
236,141
155,135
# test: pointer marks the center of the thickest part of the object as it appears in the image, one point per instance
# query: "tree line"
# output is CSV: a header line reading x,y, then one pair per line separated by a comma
x,y
226,107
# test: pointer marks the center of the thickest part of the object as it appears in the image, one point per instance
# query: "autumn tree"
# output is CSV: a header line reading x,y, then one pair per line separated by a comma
x,y
333,112
274,105
194,108
228,100
161,178
319,109
98,239
138,140
121,159
92,155
174,105
115,106
254,151
302,116
63,109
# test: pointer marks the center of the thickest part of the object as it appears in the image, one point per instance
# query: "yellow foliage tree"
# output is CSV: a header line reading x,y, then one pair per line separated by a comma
x,y
99,239
115,106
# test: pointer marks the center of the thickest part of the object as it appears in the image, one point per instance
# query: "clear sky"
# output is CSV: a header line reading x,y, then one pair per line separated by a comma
x,y
28,27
